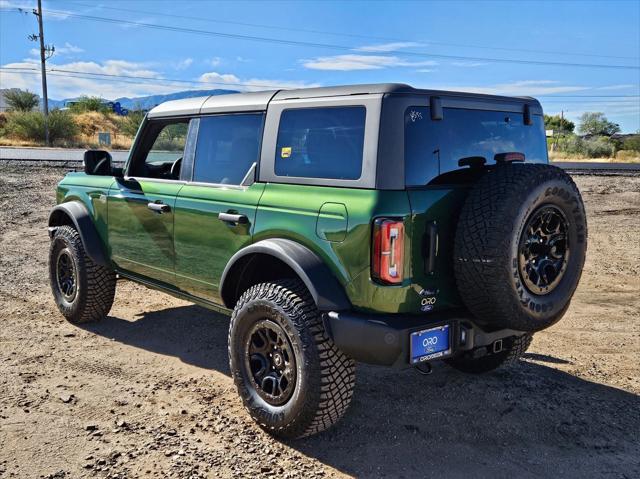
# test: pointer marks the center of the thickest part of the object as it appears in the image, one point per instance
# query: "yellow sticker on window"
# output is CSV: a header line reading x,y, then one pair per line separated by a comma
x,y
285,152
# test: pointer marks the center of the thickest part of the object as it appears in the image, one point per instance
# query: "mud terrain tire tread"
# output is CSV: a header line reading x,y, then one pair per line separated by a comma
x,y
484,265
96,283
330,373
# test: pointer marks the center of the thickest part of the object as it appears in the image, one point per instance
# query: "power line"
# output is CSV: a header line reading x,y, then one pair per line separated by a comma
x,y
140,79
621,99
348,35
330,46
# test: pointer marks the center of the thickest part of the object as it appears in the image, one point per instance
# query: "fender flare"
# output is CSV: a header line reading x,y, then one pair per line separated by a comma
x,y
83,223
326,291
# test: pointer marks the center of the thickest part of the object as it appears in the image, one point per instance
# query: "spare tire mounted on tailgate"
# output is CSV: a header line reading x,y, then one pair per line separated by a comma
x,y
520,246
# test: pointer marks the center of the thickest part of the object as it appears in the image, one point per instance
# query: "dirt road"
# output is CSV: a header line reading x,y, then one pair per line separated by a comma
x,y
147,393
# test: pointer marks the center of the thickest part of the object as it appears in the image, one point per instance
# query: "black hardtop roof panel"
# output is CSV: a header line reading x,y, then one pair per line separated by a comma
x,y
387,89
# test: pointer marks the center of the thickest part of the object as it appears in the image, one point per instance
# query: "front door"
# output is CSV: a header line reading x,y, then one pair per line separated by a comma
x,y
216,209
141,206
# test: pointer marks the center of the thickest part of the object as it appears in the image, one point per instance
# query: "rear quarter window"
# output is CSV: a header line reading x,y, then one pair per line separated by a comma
x,y
321,143
434,147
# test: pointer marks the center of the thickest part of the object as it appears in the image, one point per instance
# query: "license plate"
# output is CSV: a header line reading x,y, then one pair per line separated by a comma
x,y
430,344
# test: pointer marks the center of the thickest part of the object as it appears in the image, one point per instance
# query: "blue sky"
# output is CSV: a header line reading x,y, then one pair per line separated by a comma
x,y
427,44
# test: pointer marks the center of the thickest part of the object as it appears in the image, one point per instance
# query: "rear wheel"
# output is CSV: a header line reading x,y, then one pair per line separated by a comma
x,y
291,377
513,349
82,289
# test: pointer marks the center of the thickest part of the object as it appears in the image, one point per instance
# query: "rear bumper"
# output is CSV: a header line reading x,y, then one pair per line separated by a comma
x,y
384,340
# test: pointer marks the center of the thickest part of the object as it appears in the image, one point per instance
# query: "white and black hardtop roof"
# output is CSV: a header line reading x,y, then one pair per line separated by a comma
x,y
258,101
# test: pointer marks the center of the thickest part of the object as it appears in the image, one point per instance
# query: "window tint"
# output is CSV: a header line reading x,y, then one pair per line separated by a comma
x,y
435,147
321,143
227,147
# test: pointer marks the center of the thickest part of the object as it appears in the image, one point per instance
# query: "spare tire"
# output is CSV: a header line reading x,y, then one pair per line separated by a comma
x,y
520,246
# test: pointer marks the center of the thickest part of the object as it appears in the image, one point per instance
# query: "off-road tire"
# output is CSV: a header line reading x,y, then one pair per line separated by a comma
x,y
95,284
488,245
513,349
325,376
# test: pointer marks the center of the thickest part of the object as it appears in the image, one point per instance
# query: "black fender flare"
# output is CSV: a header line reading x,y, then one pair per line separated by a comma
x,y
326,291
83,223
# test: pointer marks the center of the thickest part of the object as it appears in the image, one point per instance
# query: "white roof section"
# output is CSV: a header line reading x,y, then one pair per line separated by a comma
x,y
233,102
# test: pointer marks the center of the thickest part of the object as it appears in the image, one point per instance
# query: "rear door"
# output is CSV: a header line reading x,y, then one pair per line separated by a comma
x,y
141,205
215,210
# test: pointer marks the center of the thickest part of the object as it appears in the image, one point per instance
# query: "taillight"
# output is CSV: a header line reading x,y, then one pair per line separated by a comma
x,y
388,250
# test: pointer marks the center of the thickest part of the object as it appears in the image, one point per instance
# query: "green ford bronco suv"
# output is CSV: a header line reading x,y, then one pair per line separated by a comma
x,y
374,223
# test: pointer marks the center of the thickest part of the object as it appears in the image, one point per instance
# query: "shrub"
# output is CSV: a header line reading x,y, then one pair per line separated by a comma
x,y
632,143
21,100
129,124
30,126
598,147
88,103
92,122
628,155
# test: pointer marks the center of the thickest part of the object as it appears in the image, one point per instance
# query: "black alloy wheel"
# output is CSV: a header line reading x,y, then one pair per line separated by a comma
x,y
544,250
271,362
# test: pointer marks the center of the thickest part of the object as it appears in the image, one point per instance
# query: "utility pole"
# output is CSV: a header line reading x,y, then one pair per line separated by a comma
x,y
45,53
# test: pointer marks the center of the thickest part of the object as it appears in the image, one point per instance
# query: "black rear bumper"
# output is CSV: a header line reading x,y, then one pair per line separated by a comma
x,y
384,340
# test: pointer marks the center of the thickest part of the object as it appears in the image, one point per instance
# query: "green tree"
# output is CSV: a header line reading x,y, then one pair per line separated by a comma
x,y
596,124
129,124
558,124
88,103
21,100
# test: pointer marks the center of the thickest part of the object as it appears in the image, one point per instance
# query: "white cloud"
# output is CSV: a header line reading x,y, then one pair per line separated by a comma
x,y
361,62
617,87
29,6
69,48
468,64
426,70
388,47
213,62
183,64
252,84
520,88
64,85
65,50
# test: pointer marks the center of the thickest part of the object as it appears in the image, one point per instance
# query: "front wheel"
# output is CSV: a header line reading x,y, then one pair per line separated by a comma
x,y
82,289
291,377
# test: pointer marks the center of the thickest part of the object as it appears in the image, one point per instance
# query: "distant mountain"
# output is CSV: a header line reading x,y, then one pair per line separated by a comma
x,y
148,102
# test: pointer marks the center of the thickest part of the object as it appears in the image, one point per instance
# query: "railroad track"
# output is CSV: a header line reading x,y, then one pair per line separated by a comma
x,y
72,158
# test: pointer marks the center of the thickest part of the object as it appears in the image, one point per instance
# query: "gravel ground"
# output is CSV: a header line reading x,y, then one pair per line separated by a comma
x,y
147,392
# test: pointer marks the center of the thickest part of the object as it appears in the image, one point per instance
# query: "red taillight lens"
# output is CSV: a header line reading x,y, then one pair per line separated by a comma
x,y
388,251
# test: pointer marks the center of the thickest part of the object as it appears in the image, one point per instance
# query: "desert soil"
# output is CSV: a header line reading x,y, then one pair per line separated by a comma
x,y
147,392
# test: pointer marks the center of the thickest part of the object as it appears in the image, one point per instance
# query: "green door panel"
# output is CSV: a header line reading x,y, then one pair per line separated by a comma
x,y
92,191
293,212
141,240
332,222
203,243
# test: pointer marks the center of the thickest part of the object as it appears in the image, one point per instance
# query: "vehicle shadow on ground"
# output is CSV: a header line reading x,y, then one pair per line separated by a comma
x,y
529,421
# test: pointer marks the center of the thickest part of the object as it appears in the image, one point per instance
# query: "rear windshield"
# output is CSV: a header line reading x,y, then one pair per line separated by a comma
x,y
321,142
434,147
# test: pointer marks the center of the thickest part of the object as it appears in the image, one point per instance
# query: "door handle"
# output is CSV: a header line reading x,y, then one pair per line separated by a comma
x,y
158,207
233,218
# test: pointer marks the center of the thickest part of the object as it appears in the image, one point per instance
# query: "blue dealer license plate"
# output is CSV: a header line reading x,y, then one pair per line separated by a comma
x,y
430,344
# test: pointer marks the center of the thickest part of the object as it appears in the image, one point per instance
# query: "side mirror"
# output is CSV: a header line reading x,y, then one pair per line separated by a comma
x,y
97,162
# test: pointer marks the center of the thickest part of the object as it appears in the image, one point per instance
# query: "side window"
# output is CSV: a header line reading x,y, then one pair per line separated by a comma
x,y
321,142
163,148
227,147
